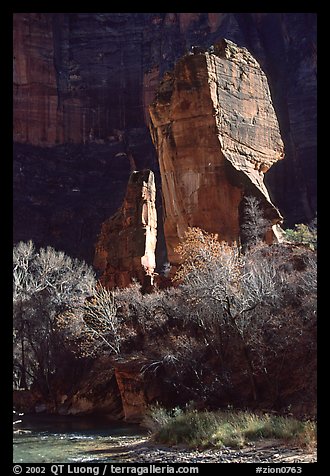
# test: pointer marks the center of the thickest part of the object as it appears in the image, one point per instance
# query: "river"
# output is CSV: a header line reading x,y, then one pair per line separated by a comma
x,y
55,439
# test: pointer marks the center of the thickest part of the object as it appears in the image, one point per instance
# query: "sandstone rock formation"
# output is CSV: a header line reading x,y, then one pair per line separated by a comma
x,y
82,77
216,134
116,388
37,117
127,242
136,389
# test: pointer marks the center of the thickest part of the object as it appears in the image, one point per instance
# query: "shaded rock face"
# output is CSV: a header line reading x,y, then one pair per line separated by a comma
x,y
96,393
127,242
216,134
37,117
91,389
137,390
66,69
59,194
88,78
119,390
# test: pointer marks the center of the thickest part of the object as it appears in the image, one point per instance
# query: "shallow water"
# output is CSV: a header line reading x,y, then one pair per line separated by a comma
x,y
56,439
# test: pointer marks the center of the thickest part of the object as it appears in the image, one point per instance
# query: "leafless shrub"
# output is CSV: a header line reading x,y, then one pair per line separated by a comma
x,y
93,327
45,283
256,305
254,225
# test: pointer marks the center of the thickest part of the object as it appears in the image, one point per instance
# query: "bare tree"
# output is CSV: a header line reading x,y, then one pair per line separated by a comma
x,y
45,282
93,325
64,278
254,224
233,288
251,300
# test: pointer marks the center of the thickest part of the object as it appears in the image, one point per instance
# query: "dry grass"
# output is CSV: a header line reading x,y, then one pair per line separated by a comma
x,y
231,429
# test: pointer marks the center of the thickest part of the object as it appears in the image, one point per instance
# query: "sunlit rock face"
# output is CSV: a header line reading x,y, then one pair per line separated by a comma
x,y
127,243
216,134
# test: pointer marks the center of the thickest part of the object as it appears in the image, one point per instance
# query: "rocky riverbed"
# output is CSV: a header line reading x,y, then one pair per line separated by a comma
x,y
143,450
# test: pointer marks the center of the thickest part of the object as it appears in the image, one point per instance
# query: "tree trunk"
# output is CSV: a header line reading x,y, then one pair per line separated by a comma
x,y
23,383
250,370
246,356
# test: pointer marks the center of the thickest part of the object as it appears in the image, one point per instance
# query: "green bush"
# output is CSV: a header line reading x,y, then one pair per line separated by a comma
x,y
302,234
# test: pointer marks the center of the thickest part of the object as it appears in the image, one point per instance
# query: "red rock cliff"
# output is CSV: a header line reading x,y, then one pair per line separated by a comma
x,y
37,116
88,78
216,134
127,242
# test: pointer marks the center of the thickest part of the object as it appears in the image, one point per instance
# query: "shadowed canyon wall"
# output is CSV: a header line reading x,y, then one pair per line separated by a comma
x,y
82,86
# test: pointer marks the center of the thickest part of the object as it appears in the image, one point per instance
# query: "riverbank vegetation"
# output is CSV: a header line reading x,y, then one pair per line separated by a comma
x,y
233,429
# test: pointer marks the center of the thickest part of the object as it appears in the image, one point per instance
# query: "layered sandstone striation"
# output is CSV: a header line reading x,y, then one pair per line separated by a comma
x,y
38,119
85,80
216,134
127,242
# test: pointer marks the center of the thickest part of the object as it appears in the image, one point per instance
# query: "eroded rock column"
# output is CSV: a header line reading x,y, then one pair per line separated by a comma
x,y
126,245
216,134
